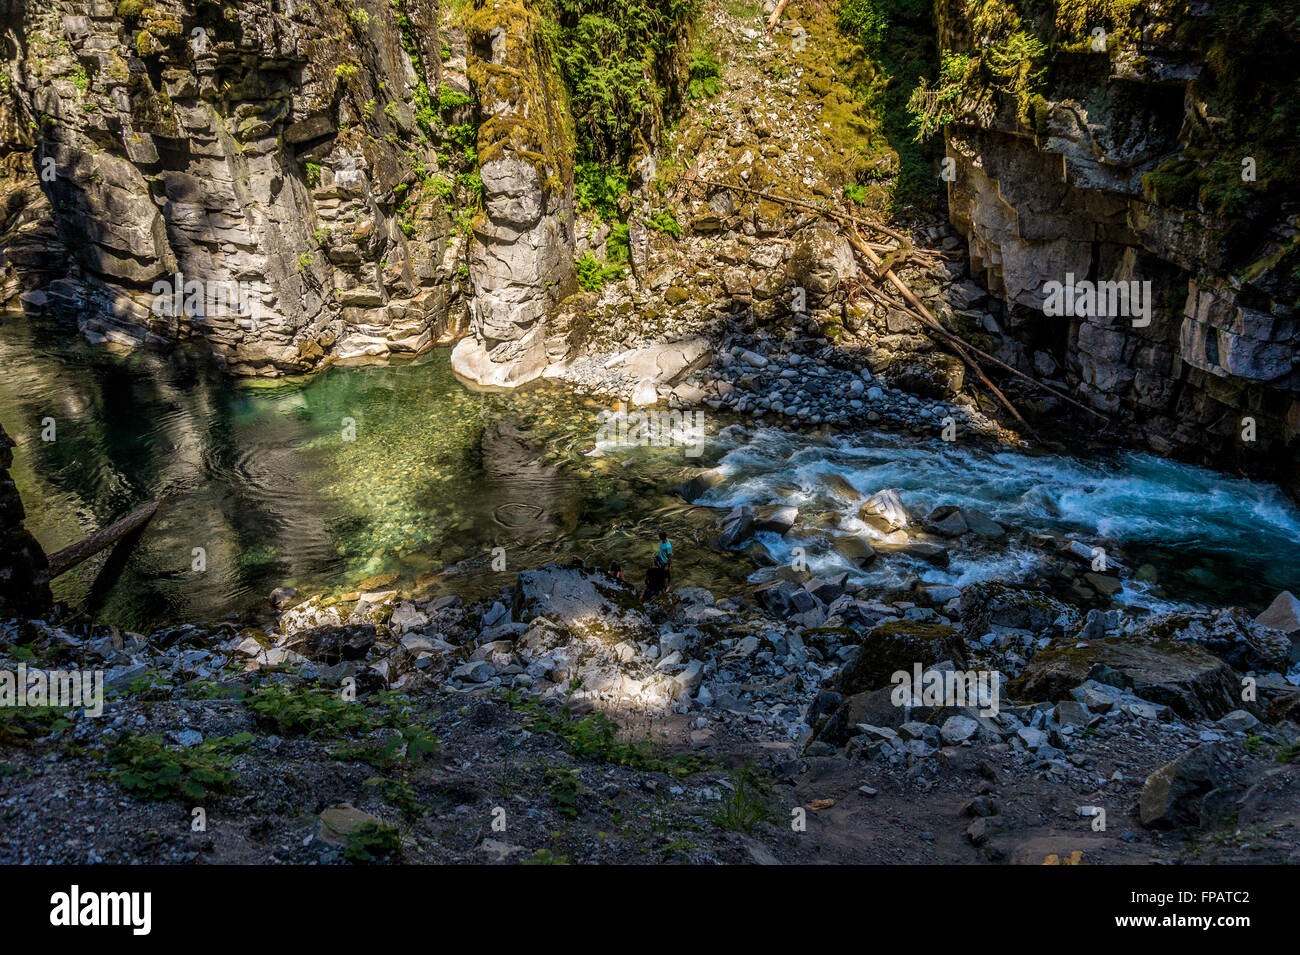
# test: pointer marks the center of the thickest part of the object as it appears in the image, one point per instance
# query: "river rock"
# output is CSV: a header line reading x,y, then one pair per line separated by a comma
x,y
840,487
579,600
946,521
1229,634
775,520
1195,684
992,604
854,549
695,488
332,645
1174,795
887,505
737,527
895,646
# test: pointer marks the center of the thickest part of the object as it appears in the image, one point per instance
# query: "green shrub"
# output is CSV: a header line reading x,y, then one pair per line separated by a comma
x,y
290,710
410,743
663,221
597,187
748,802
23,725
617,245
595,736
150,769
619,61
592,275
372,842
705,76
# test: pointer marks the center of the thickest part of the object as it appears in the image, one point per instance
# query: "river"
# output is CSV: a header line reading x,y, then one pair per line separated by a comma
x,y
320,483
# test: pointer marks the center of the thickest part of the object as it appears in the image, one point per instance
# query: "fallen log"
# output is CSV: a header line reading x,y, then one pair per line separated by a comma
x,y
919,311
64,560
926,318
828,213
775,18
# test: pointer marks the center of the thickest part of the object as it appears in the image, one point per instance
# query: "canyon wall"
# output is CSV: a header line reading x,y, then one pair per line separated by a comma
x,y
272,177
1155,148
521,253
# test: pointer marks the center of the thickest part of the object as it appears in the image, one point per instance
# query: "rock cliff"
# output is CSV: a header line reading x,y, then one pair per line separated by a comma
x,y
521,253
1142,144
271,177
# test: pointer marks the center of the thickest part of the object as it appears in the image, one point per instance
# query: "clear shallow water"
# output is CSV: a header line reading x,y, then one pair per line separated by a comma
x,y
260,476
1210,537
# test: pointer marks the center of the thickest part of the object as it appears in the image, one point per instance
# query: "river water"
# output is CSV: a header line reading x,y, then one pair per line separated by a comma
x,y
319,483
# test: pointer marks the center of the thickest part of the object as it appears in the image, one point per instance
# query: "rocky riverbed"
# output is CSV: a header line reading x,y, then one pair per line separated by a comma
x,y
564,720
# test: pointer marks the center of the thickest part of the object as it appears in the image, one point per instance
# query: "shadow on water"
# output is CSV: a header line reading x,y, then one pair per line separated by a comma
x,y
321,483
316,483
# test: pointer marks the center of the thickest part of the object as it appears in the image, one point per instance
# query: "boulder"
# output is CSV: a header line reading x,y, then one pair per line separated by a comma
x,y
981,525
898,645
818,262
775,520
1230,634
737,527
694,488
937,375
946,521
990,604
855,550
785,599
840,487
873,707
1282,614
888,506
579,600
332,645
1175,794
1193,683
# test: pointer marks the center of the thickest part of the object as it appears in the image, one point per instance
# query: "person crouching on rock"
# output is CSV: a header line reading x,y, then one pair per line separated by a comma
x,y
615,572
656,580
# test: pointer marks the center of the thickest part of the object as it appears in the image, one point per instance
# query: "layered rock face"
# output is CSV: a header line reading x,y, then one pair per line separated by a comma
x,y
521,254
24,572
263,176
1125,168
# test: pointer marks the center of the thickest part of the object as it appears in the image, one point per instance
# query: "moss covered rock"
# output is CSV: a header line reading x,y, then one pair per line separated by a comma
x,y
1190,681
898,645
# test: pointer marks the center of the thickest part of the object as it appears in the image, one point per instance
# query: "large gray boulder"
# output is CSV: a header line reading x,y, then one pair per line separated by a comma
x,y
1190,681
1176,794
580,601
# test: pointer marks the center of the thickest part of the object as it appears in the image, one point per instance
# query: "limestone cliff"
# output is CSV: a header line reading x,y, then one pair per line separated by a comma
x,y
1140,142
521,254
269,176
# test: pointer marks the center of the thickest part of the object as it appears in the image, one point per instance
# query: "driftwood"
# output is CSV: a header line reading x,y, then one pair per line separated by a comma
x,y
775,18
64,560
884,271
932,323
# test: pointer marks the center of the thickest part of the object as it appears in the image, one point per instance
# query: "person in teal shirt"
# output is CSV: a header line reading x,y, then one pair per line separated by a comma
x,y
665,549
